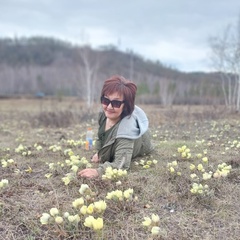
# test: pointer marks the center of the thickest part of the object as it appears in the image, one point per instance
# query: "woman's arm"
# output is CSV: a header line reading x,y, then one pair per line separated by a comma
x,y
122,159
123,150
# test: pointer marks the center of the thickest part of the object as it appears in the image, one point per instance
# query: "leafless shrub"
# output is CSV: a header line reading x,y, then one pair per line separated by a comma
x,y
60,118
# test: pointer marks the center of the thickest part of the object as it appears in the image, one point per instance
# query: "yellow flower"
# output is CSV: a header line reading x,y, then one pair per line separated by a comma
x,y
128,193
147,221
146,166
97,224
187,150
174,163
109,195
4,163
74,168
78,202
89,221
39,148
180,150
48,175
100,205
193,175
184,154
205,159
51,165
83,210
200,167
206,175
193,190
11,161
54,211
155,218
224,173
90,208
66,180
149,162
3,183
172,170
29,169
192,167
68,162
119,194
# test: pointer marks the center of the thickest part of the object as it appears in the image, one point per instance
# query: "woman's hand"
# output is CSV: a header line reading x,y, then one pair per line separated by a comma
x,y
95,158
88,173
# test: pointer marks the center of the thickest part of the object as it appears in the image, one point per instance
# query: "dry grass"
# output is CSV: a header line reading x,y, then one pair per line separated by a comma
x,y
182,215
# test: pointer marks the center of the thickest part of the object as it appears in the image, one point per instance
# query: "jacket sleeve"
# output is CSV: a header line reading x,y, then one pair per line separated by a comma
x,y
100,122
123,151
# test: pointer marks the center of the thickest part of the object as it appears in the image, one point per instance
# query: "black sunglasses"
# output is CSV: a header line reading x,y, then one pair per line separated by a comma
x,y
114,103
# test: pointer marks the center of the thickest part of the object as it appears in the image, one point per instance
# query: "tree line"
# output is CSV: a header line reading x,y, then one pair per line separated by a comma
x,y
53,67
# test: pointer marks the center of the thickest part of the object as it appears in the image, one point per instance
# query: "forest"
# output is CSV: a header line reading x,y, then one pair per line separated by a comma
x,y
41,66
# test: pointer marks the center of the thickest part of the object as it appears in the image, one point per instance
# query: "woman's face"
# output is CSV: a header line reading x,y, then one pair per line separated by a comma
x,y
111,112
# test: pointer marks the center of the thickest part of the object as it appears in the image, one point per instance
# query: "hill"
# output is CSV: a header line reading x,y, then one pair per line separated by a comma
x,y
54,67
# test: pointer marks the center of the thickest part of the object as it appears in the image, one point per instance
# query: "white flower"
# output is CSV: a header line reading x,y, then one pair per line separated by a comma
x,y
66,214
155,161
44,219
74,218
59,220
155,230
71,218
83,188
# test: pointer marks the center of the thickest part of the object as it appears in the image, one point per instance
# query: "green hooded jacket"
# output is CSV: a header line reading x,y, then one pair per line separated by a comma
x,y
126,140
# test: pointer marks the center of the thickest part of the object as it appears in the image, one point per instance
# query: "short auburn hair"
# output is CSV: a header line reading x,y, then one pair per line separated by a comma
x,y
124,87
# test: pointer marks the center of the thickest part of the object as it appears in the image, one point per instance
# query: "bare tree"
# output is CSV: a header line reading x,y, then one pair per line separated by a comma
x,y
167,91
225,58
89,71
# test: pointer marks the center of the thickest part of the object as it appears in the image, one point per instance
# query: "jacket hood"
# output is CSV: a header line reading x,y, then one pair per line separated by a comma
x,y
133,126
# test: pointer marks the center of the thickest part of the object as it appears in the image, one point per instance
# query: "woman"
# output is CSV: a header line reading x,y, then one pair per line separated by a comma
x,y
123,132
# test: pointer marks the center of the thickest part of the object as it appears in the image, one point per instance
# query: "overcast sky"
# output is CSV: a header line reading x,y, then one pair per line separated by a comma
x,y
174,32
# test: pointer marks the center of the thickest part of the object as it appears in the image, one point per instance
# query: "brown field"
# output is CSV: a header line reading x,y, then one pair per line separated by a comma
x,y
207,130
